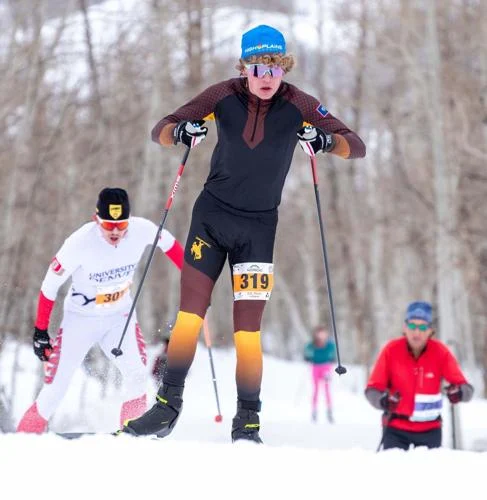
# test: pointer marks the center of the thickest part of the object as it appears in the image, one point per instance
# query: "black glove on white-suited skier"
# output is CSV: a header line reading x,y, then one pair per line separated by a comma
x,y
190,133
313,140
42,344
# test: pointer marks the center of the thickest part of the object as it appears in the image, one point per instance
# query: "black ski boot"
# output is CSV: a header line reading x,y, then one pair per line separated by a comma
x,y
162,417
246,423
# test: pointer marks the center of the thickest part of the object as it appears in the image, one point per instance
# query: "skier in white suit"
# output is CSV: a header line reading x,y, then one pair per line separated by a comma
x,y
101,257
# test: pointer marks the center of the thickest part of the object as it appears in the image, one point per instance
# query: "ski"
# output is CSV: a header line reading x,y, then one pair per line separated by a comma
x,y
77,435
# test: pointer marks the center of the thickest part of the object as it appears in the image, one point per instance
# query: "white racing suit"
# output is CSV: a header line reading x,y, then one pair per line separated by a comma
x,y
95,312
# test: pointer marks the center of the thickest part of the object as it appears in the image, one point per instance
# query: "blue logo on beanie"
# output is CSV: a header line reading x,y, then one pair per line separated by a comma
x,y
262,40
419,310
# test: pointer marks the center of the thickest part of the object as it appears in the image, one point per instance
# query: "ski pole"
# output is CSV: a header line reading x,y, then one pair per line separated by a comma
x,y
206,332
340,369
386,419
385,423
117,351
455,435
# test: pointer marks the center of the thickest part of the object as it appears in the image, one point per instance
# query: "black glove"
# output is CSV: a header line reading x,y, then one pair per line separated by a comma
x,y
190,133
313,140
454,393
42,344
389,401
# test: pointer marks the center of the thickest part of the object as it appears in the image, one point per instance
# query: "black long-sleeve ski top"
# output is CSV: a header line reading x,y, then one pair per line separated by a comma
x,y
256,139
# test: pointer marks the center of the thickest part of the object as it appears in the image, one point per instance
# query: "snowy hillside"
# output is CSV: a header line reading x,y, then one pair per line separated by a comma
x,y
299,458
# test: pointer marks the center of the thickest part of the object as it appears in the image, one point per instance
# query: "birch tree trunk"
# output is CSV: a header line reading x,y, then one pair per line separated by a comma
x,y
483,66
349,208
452,294
445,212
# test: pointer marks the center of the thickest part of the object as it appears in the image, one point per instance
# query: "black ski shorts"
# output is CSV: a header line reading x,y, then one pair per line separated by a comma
x,y
397,438
218,230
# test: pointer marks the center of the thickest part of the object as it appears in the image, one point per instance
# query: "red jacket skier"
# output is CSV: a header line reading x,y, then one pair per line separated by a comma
x,y
406,383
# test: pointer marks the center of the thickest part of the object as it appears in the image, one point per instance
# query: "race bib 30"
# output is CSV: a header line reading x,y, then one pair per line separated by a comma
x,y
107,296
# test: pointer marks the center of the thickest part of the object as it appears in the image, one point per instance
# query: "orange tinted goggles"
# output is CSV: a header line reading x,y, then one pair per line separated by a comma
x,y
109,225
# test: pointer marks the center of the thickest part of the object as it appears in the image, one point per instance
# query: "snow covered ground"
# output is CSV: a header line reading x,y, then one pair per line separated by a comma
x,y
299,458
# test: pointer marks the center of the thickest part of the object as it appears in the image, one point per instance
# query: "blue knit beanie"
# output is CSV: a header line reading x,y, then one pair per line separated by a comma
x,y
262,40
419,310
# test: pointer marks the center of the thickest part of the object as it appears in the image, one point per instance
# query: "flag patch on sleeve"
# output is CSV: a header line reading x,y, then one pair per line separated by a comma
x,y
322,110
57,267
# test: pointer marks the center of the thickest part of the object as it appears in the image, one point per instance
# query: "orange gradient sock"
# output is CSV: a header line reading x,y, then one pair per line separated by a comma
x,y
249,364
182,347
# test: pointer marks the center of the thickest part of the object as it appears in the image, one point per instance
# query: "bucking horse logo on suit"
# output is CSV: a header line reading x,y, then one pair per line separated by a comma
x,y
197,247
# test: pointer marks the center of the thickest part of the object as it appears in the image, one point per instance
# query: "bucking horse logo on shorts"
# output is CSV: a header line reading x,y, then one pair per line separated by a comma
x,y
197,246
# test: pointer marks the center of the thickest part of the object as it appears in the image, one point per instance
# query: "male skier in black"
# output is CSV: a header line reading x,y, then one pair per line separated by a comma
x,y
259,119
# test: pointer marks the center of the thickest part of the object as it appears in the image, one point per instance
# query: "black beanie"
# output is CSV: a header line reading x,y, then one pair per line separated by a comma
x,y
113,204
